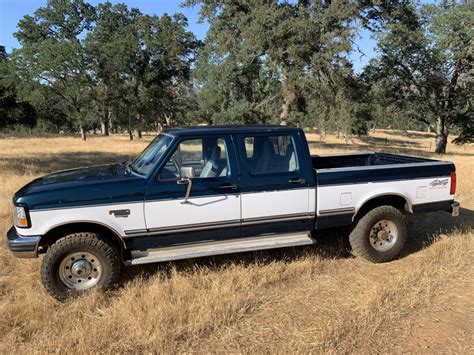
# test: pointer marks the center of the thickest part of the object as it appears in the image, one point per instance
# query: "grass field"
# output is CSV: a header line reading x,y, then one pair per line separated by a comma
x,y
308,299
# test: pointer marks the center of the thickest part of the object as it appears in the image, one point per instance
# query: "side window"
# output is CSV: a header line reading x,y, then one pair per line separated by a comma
x,y
270,154
207,156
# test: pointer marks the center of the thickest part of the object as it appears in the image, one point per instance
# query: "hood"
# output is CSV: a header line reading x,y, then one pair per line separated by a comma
x,y
83,186
81,174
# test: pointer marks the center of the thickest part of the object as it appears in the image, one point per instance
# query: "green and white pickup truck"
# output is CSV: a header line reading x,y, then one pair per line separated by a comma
x,y
214,190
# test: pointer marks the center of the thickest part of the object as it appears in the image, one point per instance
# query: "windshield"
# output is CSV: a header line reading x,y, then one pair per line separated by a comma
x,y
148,158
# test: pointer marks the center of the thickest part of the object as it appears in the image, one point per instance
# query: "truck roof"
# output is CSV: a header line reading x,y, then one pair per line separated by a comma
x,y
226,129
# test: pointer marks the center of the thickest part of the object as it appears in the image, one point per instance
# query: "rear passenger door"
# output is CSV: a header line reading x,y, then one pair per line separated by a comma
x,y
275,192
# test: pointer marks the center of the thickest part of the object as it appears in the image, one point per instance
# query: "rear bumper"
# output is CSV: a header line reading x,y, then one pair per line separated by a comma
x,y
450,206
22,247
455,208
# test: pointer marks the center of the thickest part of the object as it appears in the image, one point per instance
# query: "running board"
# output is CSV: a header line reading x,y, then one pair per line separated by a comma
x,y
189,251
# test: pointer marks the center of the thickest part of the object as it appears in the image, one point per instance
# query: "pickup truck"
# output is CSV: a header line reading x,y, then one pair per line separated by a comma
x,y
203,191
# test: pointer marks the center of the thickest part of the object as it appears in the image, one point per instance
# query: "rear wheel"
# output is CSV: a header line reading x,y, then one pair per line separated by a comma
x,y
79,262
380,235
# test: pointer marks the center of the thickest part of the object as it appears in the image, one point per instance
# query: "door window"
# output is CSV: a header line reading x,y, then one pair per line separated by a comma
x,y
207,156
270,154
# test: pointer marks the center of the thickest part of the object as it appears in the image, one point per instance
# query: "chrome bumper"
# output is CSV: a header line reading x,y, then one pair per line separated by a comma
x,y
22,247
455,208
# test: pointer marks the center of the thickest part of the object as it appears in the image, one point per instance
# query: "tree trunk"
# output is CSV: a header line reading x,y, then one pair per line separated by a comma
x,y
111,127
130,135
104,129
137,133
285,112
168,121
441,136
104,124
83,132
289,97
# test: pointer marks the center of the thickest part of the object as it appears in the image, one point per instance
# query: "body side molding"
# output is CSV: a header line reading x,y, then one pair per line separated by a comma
x,y
215,225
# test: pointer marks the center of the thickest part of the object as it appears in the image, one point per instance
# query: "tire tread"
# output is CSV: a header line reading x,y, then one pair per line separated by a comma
x,y
68,242
359,235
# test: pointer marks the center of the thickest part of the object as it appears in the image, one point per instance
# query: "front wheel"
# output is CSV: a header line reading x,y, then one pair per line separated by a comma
x,y
380,235
79,262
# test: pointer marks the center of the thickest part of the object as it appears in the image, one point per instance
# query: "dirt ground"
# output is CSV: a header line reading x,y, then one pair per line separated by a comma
x,y
307,299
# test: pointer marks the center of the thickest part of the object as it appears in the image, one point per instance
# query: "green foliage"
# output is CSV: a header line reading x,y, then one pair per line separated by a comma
x,y
227,89
13,111
425,67
464,121
241,113
105,63
284,51
84,66
52,55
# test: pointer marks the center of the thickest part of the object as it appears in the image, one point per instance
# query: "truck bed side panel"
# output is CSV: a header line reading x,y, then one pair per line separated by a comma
x,y
341,192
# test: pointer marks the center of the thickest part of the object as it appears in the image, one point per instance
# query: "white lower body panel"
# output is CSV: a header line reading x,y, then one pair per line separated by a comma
x,y
276,203
43,221
198,210
415,191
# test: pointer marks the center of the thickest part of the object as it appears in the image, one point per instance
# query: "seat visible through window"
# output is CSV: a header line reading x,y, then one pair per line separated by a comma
x,y
213,166
271,154
207,156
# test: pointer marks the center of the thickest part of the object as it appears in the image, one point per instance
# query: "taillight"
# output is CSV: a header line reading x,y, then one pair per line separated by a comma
x,y
452,190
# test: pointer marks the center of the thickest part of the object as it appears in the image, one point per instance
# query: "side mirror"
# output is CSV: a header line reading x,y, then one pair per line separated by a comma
x,y
187,173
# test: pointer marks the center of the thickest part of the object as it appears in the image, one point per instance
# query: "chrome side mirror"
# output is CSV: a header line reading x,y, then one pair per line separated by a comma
x,y
187,173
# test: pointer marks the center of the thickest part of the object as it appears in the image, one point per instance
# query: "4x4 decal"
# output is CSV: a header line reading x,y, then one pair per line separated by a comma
x,y
439,183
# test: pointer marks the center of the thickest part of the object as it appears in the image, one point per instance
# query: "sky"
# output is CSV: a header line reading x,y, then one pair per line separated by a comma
x,y
11,11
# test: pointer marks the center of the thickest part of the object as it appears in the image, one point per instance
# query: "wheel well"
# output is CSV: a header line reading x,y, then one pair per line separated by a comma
x,y
58,232
396,201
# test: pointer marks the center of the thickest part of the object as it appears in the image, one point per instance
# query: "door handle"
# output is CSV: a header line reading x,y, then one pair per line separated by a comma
x,y
228,186
297,181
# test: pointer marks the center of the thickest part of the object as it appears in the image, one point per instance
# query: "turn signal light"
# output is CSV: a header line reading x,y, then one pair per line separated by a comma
x,y
20,217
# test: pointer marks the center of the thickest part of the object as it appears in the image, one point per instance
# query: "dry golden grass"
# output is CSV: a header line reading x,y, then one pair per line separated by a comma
x,y
316,299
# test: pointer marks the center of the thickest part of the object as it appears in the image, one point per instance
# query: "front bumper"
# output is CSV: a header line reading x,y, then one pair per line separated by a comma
x,y
22,247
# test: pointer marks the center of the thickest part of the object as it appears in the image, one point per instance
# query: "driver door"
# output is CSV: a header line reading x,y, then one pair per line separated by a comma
x,y
213,208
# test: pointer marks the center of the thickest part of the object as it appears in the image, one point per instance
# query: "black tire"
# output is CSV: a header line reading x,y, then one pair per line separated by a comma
x,y
360,237
106,256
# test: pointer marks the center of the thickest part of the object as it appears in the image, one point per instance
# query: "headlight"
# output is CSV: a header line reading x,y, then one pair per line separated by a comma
x,y
20,217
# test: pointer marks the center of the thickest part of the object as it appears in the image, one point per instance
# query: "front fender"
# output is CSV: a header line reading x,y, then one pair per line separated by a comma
x,y
42,221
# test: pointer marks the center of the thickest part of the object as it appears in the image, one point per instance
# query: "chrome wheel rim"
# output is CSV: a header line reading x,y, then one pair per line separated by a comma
x,y
80,271
383,235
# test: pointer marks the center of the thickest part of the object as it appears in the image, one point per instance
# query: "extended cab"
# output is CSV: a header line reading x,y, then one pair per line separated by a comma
x,y
214,190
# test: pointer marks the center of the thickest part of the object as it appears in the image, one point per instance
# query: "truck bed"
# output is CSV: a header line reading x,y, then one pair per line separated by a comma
x,y
331,161
356,168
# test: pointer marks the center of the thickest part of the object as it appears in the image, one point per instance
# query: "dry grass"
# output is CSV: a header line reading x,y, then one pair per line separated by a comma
x,y
307,299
